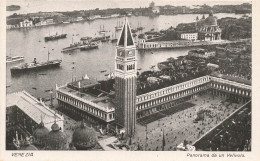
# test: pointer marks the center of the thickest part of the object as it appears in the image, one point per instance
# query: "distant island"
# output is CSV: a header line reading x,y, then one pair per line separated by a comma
x,y
13,8
59,17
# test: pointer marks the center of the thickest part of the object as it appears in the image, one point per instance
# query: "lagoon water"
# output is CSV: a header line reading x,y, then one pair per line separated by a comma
x,y
30,44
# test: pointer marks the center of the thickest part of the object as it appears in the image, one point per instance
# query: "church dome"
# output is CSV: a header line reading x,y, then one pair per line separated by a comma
x,y
40,134
211,20
56,140
84,137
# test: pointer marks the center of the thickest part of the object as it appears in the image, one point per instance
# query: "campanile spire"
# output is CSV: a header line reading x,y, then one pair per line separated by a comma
x,y
126,38
125,81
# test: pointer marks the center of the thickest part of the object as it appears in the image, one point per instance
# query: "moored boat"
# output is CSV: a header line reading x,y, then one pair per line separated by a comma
x,y
14,59
118,26
89,46
55,37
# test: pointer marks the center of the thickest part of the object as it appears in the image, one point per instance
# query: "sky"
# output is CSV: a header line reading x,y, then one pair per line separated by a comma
x,y
136,3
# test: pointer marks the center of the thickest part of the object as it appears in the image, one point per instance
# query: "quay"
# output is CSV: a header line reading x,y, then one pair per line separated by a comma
x,y
142,45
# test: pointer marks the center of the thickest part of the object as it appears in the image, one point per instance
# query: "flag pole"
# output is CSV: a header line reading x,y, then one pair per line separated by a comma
x,y
146,137
163,141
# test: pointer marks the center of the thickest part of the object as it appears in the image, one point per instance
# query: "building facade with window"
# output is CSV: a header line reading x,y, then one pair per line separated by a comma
x,y
189,36
26,23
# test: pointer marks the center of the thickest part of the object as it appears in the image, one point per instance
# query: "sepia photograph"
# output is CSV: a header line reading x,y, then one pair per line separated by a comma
x,y
124,75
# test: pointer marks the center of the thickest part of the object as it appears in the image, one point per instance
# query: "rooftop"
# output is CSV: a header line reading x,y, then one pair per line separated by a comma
x,y
85,83
102,100
32,107
231,78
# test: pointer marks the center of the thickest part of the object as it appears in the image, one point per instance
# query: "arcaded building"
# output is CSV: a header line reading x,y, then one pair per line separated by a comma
x,y
122,106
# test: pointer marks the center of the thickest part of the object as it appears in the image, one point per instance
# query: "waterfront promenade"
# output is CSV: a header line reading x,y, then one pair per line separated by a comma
x,y
184,44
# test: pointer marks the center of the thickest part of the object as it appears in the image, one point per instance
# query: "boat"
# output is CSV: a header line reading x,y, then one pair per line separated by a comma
x,y
102,31
114,40
55,37
87,38
83,45
139,28
34,66
10,59
90,46
14,59
118,26
105,38
134,30
74,46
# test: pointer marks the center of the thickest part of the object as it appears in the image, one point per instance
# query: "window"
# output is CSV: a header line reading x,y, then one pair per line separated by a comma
x,y
120,66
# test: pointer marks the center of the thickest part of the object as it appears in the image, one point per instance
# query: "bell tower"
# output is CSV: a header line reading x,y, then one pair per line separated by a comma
x,y
125,81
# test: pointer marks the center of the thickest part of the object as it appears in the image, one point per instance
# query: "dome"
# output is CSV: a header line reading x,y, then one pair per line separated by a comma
x,y
211,20
56,140
84,137
40,134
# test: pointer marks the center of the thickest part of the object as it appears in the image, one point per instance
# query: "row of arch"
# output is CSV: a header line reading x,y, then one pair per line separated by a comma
x,y
171,97
231,89
173,89
83,106
168,105
79,112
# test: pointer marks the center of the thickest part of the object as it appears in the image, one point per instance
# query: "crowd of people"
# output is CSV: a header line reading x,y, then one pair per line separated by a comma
x,y
181,126
233,135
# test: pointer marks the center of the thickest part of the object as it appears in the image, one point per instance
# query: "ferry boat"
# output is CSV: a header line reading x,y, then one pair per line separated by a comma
x,y
55,37
34,66
14,59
